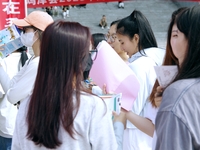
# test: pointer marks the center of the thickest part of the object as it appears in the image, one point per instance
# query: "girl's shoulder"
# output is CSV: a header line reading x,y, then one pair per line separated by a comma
x,y
90,99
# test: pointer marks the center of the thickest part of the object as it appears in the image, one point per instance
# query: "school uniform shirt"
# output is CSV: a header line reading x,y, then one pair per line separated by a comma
x,y
21,85
93,122
177,121
8,112
143,67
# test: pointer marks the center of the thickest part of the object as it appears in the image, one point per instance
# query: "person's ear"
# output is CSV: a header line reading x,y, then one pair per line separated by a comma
x,y
136,38
37,34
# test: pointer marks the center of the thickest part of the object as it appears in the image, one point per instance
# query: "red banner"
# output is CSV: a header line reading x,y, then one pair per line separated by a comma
x,y
11,9
45,3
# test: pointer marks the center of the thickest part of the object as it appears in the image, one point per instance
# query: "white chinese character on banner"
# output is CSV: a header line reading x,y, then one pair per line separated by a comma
x,y
9,22
52,1
41,2
62,1
31,2
11,7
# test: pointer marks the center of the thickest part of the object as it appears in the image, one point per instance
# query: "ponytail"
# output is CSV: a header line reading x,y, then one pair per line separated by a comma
x,y
24,56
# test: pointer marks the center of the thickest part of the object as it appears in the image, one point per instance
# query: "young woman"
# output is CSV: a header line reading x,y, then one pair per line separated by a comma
x,y
137,39
146,123
177,121
60,114
21,85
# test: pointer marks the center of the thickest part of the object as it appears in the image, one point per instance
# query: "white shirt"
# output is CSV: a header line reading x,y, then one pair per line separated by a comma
x,y
91,122
143,67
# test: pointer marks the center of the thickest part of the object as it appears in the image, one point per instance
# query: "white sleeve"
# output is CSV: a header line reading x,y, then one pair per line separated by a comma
x,y
119,132
22,84
101,133
4,79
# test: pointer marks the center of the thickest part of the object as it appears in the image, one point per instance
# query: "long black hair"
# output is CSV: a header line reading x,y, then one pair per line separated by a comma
x,y
65,48
188,22
24,56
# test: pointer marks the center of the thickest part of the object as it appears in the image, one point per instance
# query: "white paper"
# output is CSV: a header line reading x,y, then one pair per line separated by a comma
x,y
113,102
165,74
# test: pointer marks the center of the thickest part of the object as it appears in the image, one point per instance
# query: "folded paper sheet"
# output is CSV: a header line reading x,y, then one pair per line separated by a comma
x,y
9,40
110,69
165,74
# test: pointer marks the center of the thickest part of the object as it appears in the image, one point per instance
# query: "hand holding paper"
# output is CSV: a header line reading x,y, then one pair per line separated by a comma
x,y
120,118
